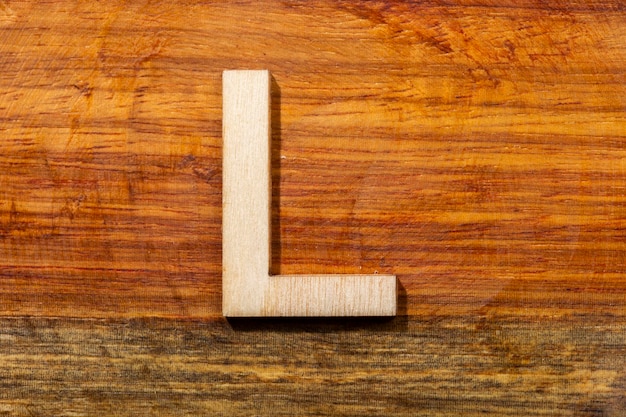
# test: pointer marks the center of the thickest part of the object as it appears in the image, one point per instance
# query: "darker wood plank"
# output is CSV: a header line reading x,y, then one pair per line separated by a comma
x,y
311,368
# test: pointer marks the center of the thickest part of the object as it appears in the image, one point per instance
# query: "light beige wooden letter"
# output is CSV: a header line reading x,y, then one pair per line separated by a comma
x,y
248,288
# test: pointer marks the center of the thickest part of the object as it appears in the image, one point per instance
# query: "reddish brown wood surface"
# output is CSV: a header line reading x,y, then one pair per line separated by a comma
x,y
476,149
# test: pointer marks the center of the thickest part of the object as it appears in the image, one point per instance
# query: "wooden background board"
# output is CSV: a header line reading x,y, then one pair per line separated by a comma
x,y
474,148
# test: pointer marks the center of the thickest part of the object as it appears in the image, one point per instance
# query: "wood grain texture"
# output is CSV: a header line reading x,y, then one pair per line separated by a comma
x,y
475,149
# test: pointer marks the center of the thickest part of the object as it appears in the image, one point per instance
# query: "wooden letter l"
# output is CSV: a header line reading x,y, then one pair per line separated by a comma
x,y
248,288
